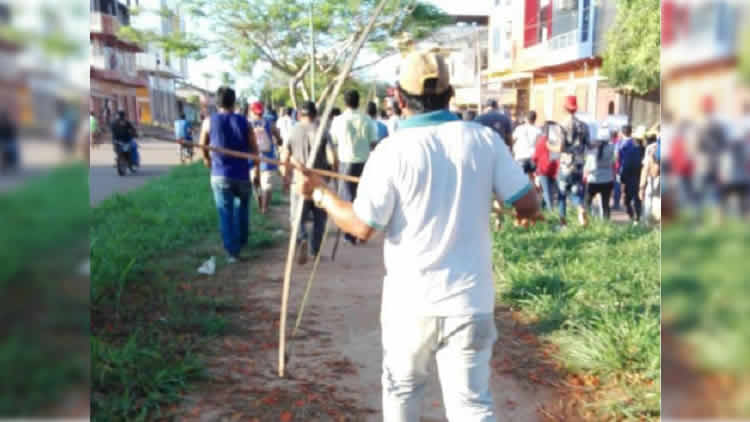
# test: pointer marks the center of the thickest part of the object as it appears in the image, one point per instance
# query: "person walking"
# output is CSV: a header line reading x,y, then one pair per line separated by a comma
x,y
394,116
298,148
381,130
546,160
599,171
94,131
630,159
267,138
230,176
183,133
525,138
426,188
572,157
498,121
352,133
8,142
285,124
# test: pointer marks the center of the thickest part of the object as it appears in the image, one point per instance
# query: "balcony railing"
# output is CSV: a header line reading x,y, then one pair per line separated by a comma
x,y
563,40
150,63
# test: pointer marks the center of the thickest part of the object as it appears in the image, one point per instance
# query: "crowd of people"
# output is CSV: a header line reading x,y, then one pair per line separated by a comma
x,y
425,176
593,170
707,163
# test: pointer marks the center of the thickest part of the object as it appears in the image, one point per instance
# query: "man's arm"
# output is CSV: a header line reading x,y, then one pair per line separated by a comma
x,y
340,211
205,141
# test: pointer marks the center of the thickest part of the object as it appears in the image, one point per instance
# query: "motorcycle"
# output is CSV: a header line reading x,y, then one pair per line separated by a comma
x,y
124,159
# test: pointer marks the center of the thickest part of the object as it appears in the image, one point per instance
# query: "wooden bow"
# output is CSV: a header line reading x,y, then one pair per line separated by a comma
x,y
314,153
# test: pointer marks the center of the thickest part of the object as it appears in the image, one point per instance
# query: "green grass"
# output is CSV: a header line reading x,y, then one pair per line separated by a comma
x,y
44,326
706,298
595,294
146,247
39,217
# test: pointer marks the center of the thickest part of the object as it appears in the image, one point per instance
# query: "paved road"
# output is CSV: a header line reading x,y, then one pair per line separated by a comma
x,y
157,158
37,157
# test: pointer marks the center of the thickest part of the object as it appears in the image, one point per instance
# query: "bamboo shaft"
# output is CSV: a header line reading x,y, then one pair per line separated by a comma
x,y
250,156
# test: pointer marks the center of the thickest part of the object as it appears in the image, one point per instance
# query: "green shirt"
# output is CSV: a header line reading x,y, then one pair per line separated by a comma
x,y
352,132
93,124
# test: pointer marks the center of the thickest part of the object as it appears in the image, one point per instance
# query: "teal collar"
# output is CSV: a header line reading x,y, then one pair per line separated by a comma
x,y
428,119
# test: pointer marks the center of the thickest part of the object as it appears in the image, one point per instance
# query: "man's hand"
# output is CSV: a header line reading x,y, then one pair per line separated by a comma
x,y
305,181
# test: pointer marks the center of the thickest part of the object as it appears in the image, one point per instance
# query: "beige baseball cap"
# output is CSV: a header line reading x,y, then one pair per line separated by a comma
x,y
418,67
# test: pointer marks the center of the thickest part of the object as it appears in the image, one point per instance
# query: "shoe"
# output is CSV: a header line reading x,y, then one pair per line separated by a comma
x,y
302,253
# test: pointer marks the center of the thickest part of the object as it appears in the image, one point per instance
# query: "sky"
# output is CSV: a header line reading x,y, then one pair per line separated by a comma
x,y
216,65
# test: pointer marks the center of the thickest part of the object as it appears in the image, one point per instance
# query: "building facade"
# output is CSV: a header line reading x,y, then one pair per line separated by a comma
x,y
114,79
542,51
700,40
158,101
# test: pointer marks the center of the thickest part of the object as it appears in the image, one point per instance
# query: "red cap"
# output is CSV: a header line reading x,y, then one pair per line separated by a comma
x,y
707,104
257,108
571,103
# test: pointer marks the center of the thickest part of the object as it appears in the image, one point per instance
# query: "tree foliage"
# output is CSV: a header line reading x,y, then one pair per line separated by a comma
x,y
177,43
631,59
277,32
744,56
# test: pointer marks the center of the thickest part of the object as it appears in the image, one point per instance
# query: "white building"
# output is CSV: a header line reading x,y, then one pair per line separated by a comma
x,y
158,103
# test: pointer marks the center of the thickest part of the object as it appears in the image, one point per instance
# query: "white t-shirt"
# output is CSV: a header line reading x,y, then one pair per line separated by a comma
x,y
525,137
392,124
429,187
285,125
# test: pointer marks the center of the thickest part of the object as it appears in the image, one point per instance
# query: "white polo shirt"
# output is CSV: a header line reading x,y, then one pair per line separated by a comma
x,y
429,188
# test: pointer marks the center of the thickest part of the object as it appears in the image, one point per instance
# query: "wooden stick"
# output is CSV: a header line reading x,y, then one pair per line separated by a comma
x,y
311,159
250,156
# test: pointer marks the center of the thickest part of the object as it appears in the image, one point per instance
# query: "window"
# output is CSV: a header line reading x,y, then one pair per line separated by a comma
x,y
586,21
531,23
496,40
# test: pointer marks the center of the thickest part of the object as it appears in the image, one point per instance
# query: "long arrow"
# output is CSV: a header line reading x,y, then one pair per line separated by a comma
x,y
250,156
310,161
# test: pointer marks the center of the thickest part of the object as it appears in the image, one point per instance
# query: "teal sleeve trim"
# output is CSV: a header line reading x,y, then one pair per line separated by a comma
x,y
513,199
375,226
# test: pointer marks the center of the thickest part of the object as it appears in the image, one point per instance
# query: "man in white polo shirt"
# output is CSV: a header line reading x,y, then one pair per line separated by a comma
x,y
428,187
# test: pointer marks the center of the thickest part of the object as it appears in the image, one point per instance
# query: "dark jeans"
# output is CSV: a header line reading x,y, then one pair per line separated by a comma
x,y
605,189
318,218
632,202
232,198
563,195
549,187
617,195
348,190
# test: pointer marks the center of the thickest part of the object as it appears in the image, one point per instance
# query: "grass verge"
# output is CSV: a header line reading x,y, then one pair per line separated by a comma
x,y
706,303
43,321
595,294
148,321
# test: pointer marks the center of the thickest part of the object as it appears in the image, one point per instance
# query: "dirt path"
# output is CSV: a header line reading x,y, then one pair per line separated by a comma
x,y
334,367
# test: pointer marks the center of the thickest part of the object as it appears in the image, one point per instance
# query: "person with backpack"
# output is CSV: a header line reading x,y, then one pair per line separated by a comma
x,y
572,157
265,134
599,171
630,159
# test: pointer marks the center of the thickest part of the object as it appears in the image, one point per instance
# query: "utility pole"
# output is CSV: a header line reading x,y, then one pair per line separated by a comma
x,y
312,54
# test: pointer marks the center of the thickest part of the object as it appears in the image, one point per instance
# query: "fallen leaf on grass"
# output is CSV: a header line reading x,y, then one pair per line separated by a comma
x,y
286,416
